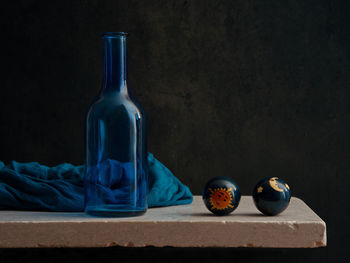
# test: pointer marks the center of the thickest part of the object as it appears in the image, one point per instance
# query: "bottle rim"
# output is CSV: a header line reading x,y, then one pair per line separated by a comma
x,y
115,34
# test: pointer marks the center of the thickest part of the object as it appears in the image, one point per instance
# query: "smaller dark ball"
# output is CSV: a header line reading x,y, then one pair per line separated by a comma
x,y
221,195
271,196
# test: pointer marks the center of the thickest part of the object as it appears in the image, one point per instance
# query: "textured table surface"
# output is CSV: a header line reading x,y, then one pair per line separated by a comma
x,y
179,226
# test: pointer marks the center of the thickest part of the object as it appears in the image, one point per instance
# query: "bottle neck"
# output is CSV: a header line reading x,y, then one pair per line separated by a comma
x,y
114,63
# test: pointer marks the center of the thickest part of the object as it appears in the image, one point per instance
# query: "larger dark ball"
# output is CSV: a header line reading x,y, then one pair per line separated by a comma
x,y
221,195
271,196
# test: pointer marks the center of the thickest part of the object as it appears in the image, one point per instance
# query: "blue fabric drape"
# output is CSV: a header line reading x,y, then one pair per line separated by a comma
x,y
32,186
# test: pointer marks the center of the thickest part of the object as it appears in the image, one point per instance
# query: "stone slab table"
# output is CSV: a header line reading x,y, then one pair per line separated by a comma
x,y
178,226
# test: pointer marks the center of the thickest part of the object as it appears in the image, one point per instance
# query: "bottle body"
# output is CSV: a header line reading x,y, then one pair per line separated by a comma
x,y
116,164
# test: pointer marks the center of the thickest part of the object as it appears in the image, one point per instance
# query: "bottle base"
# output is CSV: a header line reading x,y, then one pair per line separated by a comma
x,y
113,211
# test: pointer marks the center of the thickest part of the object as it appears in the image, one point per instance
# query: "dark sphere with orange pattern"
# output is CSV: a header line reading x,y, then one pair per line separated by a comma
x,y
221,195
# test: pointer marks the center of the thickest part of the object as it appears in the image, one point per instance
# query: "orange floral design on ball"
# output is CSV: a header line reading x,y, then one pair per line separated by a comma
x,y
220,198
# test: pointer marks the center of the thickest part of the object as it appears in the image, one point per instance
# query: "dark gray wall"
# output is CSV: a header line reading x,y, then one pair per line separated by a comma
x,y
246,89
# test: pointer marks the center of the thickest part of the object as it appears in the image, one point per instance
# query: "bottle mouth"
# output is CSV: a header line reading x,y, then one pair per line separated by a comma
x,y
115,34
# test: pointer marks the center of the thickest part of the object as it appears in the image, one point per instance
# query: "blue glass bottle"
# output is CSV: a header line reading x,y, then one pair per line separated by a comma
x,y
115,165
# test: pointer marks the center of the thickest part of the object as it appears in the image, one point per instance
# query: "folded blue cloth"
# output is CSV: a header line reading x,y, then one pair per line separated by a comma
x,y
32,186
